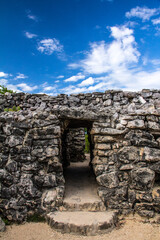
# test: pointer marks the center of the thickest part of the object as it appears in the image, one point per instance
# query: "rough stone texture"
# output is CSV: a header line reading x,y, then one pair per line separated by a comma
x,y
2,225
124,131
75,145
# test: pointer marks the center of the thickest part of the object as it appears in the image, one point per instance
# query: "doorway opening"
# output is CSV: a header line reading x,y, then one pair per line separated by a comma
x,y
77,154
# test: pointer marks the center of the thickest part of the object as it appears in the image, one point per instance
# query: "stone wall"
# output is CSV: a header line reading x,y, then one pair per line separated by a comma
x,y
125,136
75,145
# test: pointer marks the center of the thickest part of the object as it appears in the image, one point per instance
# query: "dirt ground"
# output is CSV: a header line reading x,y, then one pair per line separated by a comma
x,y
131,228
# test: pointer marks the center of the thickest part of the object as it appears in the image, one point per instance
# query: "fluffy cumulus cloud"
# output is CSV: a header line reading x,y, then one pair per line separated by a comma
x,y
87,82
144,13
116,65
30,35
26,88
75,78
49,45
5,75
104,57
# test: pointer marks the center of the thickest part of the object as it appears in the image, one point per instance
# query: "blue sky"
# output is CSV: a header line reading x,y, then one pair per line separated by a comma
x,y
75,46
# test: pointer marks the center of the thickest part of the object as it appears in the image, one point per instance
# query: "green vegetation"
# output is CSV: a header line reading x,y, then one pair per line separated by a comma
x,y
6,221
13,109
87,144
35,218
3,90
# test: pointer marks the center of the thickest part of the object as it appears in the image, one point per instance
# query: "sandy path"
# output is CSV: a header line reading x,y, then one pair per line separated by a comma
x,y
133,229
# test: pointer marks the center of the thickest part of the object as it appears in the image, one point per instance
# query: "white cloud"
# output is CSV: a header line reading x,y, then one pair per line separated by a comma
x,y
26,88
120,32
118,61
20,76
75,78
2,74
73,89
48,46
156,21
30,35
104,57
49,88
87,82
155,61
31,16
144,13
145,27
3,81
60,77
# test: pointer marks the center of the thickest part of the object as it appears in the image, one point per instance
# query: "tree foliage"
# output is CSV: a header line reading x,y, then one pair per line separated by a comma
x,y
3,90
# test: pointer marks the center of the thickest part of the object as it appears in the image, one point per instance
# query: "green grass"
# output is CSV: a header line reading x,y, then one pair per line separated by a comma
x,y
13,109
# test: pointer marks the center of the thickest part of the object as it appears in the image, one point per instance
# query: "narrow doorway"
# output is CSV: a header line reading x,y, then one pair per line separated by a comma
x,y
80,181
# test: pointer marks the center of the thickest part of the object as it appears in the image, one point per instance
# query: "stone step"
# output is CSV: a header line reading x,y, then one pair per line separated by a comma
x,y
80,205
83,223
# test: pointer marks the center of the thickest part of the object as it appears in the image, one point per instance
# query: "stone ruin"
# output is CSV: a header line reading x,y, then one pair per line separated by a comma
x,y
37,142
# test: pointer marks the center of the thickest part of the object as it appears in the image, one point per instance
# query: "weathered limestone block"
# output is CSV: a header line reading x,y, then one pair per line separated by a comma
x,y
142,196
49,199
103,146
126,167
100,169
141,138
128,154
2,225
100,160
11,166
3,160
131,196
145,209
13,141
30,167
114,197
107,103
151,154
26,187
136,124
104,139
8,192
156,195
142,178
107,131
154,126
54,165
156,198
16,209
109,180
49,180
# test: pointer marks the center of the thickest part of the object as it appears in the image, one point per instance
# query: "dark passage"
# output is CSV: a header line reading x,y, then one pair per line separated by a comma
x,y
80,182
